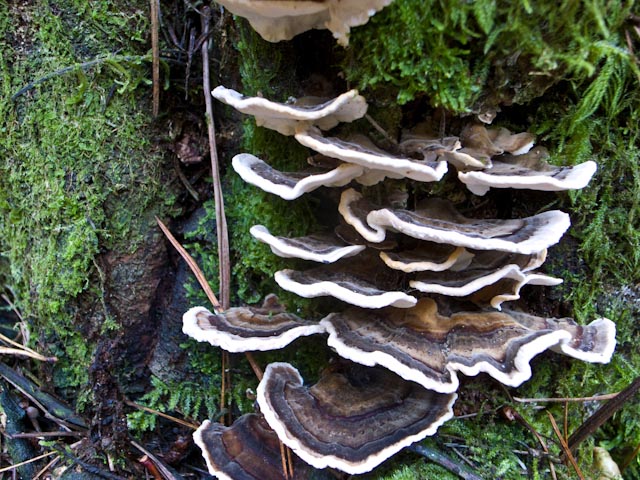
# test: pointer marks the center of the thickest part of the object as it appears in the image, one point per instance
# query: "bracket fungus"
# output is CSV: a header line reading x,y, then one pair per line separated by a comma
x,y
425,346
437,221
285,118
530,172
361,151
243,329
408,335
353,418
277,20
317,248
290,186
247,450
345,286
428,256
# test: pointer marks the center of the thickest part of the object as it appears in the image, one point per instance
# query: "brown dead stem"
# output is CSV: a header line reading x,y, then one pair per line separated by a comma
x,y
512,414
179,421
603,414
155,56
221,220
565,447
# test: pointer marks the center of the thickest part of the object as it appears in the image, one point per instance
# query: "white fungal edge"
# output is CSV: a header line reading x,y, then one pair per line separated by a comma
x,y
282,249
607,330
326,288
555,223
235,343
198,440
528,279
258,106
403,166
480,182
508,271
556,340
319,461
373,234
459,255
344,14
338,177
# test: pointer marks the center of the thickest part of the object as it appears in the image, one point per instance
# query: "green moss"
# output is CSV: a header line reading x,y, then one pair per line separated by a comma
x,y
77,177
263,70
457,53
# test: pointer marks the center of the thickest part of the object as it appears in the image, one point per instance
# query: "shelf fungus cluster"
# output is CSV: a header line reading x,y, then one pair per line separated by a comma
x,y
428,292
277,20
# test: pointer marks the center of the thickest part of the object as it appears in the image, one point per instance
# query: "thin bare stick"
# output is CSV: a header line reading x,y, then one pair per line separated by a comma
x,y
603,414
156,462
221,221
254,365
283,457
223,385
26,353
512,414
380,130
155,57
47,434
193,266
630,458
607,396
290,462
565,447
46,468
26,462
161,414
12,306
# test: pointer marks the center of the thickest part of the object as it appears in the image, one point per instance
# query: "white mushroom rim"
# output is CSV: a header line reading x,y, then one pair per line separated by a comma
x,y
557,341
284,118
282,248
332,289
237,343
369,157
289,187
572,178
321,461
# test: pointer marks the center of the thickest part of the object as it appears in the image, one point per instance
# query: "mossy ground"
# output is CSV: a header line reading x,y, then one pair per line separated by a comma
x,y
78,177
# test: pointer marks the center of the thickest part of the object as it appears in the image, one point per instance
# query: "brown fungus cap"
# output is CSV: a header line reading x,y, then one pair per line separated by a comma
x,y
286,117
426,346
243,329
247,450
354,418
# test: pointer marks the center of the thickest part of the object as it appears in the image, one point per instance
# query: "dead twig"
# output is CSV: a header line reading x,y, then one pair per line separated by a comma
x,y
46,434
154,465
155,56
565,447
593,398
193,266
221,221
52,408
26,462
179,421
512,414
444,461
601,415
